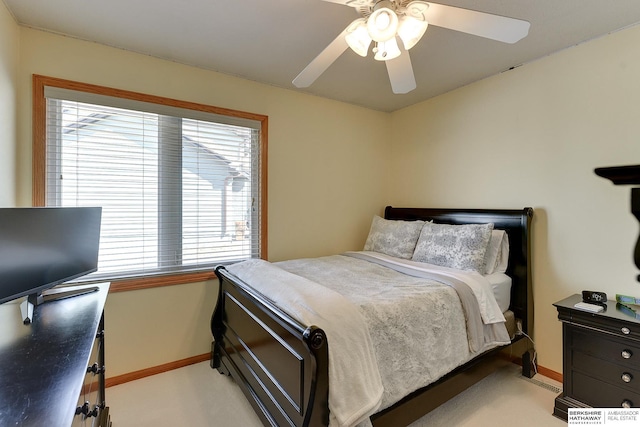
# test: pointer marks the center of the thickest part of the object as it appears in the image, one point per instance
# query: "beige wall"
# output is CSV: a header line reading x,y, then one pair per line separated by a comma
x,y
532,137
9,56
327,169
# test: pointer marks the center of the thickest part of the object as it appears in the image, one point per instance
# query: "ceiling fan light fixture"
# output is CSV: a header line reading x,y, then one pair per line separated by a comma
x,y
411,30
387,50
382,24
358,37
384,21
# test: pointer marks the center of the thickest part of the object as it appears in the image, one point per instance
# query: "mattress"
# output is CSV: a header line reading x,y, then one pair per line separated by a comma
x,y
501,286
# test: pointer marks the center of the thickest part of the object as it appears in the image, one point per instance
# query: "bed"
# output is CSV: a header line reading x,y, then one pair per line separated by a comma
x,y
282,364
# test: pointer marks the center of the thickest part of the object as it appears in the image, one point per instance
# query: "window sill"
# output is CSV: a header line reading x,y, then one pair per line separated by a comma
x,y
125,285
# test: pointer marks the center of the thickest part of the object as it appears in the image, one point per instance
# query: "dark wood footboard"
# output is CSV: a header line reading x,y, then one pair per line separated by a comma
x,y
280,365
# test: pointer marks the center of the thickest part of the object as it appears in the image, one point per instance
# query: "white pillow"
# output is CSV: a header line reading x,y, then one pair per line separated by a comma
x,y
497,256
391,237
503,260
456,246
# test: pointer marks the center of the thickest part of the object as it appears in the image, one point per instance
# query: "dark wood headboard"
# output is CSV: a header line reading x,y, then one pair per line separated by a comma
x,y
516,223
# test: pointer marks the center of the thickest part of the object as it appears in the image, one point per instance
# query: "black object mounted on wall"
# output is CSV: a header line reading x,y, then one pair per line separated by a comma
x,y
627,175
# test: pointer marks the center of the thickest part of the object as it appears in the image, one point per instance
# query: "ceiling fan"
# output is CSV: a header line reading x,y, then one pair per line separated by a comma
x,y
383,22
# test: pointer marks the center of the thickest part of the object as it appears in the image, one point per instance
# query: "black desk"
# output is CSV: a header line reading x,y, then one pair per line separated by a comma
x,y
43,365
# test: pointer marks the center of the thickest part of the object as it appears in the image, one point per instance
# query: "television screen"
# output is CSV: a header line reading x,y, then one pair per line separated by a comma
x,y
44,247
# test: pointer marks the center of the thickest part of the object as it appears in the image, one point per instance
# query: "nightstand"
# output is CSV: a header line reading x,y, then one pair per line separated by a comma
x,y
600,357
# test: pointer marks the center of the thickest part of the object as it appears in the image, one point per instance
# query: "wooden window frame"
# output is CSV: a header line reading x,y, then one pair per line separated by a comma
x,y
39,172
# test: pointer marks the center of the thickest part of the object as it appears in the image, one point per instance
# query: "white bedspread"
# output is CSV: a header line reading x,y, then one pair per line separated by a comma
x,y
418,325
412,319
481,287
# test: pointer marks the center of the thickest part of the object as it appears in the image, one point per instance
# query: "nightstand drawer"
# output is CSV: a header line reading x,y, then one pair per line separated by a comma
x,y
620,328
612,349
617,375
600,394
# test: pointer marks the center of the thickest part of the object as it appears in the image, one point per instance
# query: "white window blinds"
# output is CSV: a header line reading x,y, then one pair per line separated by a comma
x,y
179,188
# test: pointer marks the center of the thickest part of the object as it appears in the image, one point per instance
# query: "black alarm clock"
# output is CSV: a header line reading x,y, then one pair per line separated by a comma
x,y
594,297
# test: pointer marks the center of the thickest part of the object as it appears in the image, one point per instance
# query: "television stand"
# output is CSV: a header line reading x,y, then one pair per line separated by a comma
x,y
52,373
28,305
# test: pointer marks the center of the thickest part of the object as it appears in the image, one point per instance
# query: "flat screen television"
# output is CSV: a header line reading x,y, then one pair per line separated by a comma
x,y
44,247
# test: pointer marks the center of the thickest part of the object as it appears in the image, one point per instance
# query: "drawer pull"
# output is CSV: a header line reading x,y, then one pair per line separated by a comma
x,y
626,354
84,409
627,377
88,413
97,369
625,330
626,403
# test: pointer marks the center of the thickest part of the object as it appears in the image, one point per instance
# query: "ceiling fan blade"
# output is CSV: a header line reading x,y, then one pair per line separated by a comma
x,y
322,61
500,28
400,73
352,3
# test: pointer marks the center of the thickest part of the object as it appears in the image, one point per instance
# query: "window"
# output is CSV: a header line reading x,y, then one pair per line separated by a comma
x,y
181,185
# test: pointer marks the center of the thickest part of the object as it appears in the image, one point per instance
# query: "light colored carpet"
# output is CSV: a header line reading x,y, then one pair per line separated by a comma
x,y
197,396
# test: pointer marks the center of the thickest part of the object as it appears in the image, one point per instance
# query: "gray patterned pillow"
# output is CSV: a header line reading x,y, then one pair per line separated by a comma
x,y
395,238
456,246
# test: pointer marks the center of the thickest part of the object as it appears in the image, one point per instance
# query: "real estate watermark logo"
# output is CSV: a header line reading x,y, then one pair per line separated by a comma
x,y
614,417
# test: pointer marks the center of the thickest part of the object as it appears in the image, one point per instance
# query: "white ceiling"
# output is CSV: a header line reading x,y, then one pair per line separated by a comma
x,y
271,41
